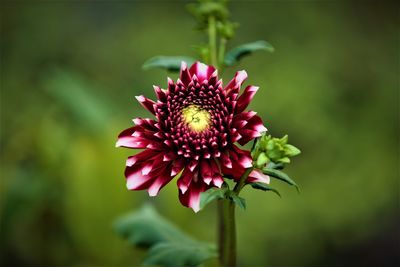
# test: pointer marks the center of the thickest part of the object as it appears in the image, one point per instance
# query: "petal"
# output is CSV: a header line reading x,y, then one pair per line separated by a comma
x,y
177,166
160,93
218,181
193,164
185,180
159,183
258,176
185,76
125,139
245,98
254,128
225,160
143,168
137,181
243,157
201,71
206,171
191,198
247,136
233,86
146,103
240,160
147,154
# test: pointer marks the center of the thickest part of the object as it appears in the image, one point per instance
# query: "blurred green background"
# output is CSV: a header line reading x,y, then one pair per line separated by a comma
x,y
69,74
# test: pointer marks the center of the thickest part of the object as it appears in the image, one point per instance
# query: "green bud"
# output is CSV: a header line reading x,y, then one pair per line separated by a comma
x,y
291,151
262,160
269,150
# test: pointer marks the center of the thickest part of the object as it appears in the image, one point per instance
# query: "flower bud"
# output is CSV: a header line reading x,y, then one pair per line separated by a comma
x,y
271,150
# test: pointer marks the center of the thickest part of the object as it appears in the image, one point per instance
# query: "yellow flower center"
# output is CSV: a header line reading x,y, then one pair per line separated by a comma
x,y
197,119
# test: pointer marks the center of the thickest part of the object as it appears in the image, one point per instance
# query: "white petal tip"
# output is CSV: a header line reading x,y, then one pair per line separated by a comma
x,y
152,193
183,189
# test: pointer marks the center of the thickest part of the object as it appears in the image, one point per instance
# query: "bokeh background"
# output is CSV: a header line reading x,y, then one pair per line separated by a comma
x,y
69,74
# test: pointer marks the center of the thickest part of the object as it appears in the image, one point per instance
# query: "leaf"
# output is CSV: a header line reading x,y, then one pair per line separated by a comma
x,y
276,166
176,254
241,202
234,55
170,63
146,227
262,159
284,160
281,176
291,150
169,247
210,195
265,187
79,97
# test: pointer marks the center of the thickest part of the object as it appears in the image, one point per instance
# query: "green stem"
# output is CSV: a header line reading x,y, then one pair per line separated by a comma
x,y
212,36
242,181
227,233
221,53
227,226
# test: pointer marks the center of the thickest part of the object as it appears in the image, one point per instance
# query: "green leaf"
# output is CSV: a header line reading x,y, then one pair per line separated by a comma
x,y
276,166
265,187
241,202
180,254
291,150
210,195
238,52
169,247
281,176
284,160
284,139
146,227
262,159
170,63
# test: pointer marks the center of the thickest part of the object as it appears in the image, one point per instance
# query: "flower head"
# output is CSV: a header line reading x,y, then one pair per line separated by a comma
x,y
197,123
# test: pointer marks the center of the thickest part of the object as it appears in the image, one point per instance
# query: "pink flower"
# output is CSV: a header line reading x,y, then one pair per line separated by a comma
x,y
197,123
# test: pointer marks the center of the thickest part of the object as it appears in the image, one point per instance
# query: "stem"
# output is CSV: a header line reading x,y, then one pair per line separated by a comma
x,y
221,53
242,181
212,35
227,233
227,225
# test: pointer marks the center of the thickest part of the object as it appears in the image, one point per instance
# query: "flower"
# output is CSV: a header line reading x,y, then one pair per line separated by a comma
x,y
197,122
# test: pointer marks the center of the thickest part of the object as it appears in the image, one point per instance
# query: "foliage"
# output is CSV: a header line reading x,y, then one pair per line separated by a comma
x,y
169,246
167,62
237,53
211,195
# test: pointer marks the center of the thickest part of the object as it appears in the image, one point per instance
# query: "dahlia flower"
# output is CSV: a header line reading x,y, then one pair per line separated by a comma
x,y
197,123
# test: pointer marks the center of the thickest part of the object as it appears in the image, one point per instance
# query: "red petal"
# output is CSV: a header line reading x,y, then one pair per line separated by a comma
x,y
160,93
243,157
147,154
159,183
258,176
125,139
245,98
185,180
251,130
201,70
191,198
233,86
146,103
225,160
185,74
206,171
177,166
